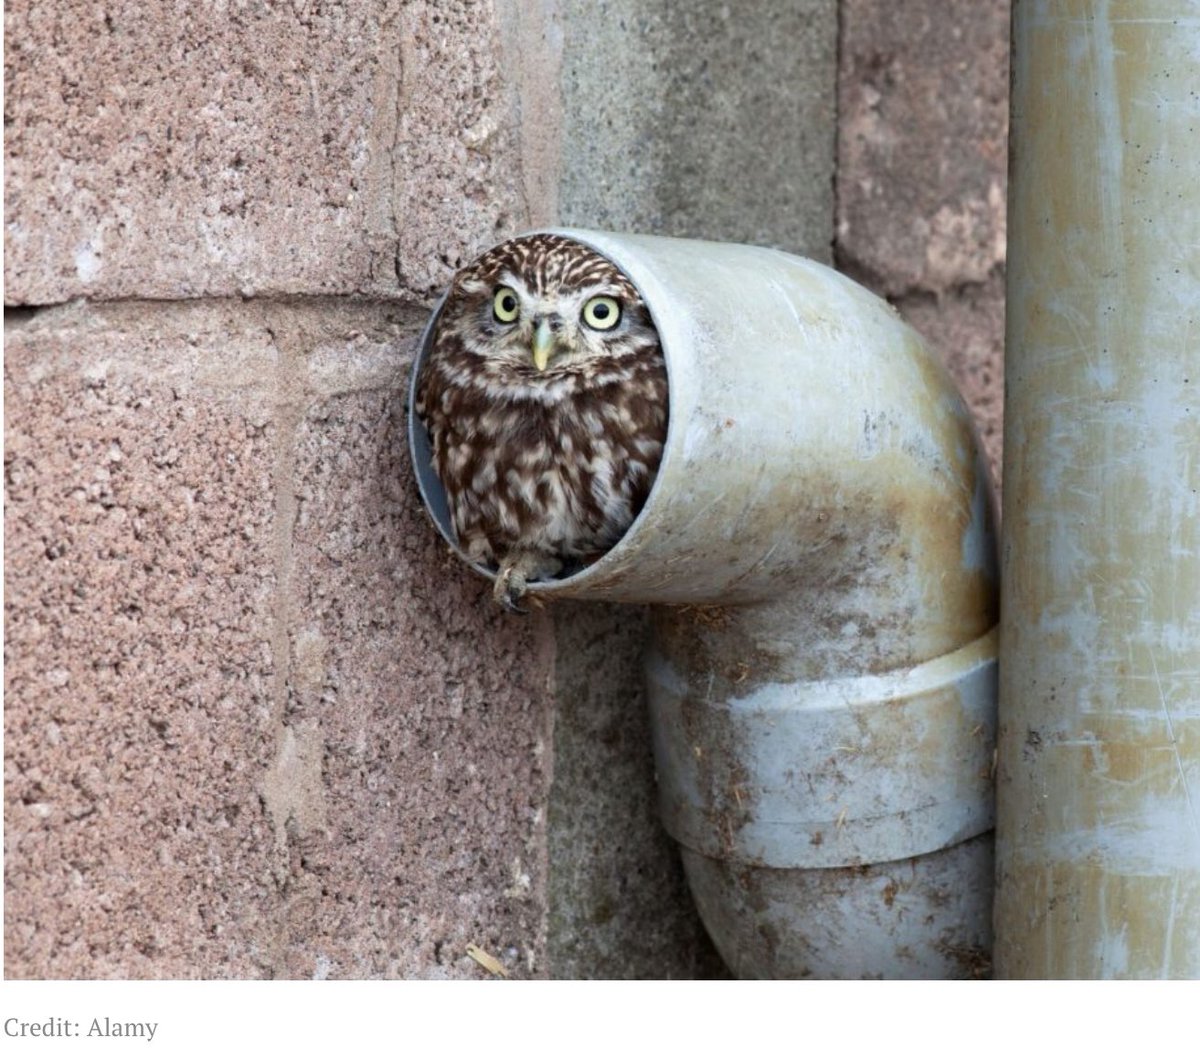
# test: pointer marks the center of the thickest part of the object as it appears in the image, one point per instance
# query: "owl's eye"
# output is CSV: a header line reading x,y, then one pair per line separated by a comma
x,y
505,305
601,312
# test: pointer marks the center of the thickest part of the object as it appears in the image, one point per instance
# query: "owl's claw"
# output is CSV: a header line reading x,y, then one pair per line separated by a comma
x,y
510,588
507,602
512,581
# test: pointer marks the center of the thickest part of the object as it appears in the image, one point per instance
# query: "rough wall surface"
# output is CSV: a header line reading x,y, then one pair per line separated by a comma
x,y
705,119
922,178
619,906
257,723
249,148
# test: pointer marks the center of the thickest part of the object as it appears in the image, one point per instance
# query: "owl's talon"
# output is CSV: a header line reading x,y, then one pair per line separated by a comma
x,y
509,589
509,604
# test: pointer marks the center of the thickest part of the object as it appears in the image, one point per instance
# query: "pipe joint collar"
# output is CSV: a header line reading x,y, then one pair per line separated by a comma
x,y
829,773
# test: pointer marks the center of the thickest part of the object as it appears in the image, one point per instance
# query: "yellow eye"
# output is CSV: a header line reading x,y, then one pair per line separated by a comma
x,y
601,312
505,305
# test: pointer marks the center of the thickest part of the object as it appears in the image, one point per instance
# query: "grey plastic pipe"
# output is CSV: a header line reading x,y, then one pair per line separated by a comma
x,y
1098,839
819,547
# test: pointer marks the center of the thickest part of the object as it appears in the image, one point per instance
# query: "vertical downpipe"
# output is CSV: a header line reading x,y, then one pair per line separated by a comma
x,y
1098,836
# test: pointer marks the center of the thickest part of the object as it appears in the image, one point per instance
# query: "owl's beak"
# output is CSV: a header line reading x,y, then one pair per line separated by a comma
x,y
543,344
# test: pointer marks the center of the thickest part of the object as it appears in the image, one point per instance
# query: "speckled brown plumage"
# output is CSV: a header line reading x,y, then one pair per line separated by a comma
x,y
543,466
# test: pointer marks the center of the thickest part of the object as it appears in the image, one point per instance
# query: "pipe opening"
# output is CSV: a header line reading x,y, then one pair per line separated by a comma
x,y
565,284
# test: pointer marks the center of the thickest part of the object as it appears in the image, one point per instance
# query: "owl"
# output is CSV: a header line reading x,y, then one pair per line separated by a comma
x,y
544,395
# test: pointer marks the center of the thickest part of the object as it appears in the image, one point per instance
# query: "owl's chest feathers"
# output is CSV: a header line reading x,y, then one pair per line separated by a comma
x,y
562,466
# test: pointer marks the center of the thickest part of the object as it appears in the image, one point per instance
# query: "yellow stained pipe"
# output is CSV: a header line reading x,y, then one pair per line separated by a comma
x,y
1098,832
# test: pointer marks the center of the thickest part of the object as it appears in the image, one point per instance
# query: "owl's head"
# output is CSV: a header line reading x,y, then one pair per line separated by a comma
x,y
538,306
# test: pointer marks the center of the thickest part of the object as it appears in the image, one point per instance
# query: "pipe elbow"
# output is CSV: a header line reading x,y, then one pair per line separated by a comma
x,y
820,547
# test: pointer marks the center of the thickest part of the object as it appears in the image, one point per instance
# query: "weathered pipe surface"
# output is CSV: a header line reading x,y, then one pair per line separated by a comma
x,y
1098,834
819,544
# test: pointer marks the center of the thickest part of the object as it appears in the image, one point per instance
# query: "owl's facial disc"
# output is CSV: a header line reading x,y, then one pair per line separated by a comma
x,y
554,327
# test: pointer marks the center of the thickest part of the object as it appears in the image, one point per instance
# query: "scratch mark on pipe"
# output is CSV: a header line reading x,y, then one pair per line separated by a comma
x,y
1142,21
1169,937
750,505
1110,149
757,564
706,509
1187,792
787,301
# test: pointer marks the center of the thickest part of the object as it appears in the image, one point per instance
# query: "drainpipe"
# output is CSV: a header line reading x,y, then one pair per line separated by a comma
x,y
819,550
1098,834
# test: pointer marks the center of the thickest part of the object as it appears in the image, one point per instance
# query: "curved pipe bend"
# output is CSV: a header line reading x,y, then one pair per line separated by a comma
x,y
820,546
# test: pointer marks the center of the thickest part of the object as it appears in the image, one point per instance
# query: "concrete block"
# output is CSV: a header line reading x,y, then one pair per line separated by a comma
x,y
922,143
254,725
139,670
254,149
619,908
434,710
705,119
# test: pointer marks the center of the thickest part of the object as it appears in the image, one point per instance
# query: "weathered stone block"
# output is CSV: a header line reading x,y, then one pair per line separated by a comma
x,y
249,148
139,665
922,143
434,708
705,119
256,726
